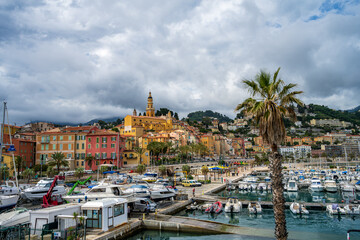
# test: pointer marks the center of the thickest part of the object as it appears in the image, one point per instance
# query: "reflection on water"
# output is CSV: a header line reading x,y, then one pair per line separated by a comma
x,y
302,196
166,235
317,223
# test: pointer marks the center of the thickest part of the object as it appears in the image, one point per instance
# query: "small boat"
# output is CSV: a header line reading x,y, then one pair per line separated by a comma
x,y
215,208
352,209
8,201
297,208
243,186
194,206
357,186
262,187
254,207
347,187
233,205
8,189
335,209
14,217
292,186
330,186
150,177
316,186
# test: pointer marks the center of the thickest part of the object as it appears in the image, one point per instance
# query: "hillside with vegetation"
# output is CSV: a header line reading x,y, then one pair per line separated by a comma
x,y
199,115
323,112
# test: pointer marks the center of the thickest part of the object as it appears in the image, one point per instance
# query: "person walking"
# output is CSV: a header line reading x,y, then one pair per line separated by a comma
x,y
147,208
193,192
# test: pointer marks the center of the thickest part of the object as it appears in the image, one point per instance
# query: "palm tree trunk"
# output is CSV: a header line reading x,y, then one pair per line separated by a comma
x,y
278,196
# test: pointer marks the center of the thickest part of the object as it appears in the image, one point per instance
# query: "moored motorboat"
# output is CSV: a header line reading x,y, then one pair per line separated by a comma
x,y
292,186
316,185
335,209
347,187
254,207
352,209
8,201
214,208
233,205
14,217
330,186
298,208
9,188
42,188
262,187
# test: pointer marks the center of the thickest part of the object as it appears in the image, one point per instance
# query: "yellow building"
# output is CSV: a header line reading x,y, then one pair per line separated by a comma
x,y
7,161
208,141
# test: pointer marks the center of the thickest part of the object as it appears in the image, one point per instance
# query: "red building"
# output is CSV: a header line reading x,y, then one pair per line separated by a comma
x,y
26,150
105,147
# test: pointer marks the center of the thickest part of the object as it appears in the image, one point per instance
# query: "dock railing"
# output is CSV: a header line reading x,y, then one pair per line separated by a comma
x,y
351,230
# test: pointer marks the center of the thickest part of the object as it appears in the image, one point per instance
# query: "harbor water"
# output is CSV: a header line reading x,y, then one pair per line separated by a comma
x,y
316,225
300,196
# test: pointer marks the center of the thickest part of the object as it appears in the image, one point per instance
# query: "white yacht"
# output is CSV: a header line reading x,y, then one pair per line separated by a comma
x,y
160,192
8,201
9,188
330,186
292,186
316,186
347,187
233,205
41,189
14,217
140,191
251,179
98,192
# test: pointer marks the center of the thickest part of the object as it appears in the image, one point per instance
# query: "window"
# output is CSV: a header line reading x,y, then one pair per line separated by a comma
x,y
61,146
54,146
42,146
54,138
77,156
97,155
94,218
69,155
89,146
89,139
69,146
97,145
125,162
83,146
47,147
83,137
104,139
82,163
77,163
104,145
61,138
113,139
118,210
113,155
97,140
104,156
77,146
83,156
69,138
113,145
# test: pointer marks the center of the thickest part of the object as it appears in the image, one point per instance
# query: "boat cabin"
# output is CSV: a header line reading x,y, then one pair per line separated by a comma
x,y
106,213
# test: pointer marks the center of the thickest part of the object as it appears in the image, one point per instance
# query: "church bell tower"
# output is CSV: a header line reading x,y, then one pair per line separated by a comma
x,y
150,110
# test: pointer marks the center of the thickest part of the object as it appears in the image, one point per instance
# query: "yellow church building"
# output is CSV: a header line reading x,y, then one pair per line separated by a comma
x,y
148,122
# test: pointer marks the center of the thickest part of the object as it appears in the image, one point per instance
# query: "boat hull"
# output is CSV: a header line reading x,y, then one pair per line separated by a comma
x,y
8,201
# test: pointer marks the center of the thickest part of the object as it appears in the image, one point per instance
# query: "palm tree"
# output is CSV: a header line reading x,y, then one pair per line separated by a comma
x,y
140,151
19,163
79,172
272,103
141,169
89,160
162,170
28,173
58,160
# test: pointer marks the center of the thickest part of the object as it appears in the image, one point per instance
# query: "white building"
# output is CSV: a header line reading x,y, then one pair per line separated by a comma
x,y
299,151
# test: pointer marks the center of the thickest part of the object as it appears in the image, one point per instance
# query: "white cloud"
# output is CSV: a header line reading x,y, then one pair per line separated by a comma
x,y
77,60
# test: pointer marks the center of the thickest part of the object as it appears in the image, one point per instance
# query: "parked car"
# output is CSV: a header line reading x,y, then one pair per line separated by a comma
x,y
188,183
140,205
196,183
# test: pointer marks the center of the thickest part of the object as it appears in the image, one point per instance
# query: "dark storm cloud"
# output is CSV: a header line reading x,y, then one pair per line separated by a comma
x,y
77,60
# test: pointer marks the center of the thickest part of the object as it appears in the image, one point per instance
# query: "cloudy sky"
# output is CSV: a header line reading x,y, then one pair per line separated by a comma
x,y
73,61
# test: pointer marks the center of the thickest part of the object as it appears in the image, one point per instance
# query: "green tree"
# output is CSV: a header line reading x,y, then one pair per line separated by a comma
x,y
139,151
205,171
89,160
79,172
186,168
20,164
28,174
115,129
58,160
140,169
4,173
270,102
162,170
50,172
